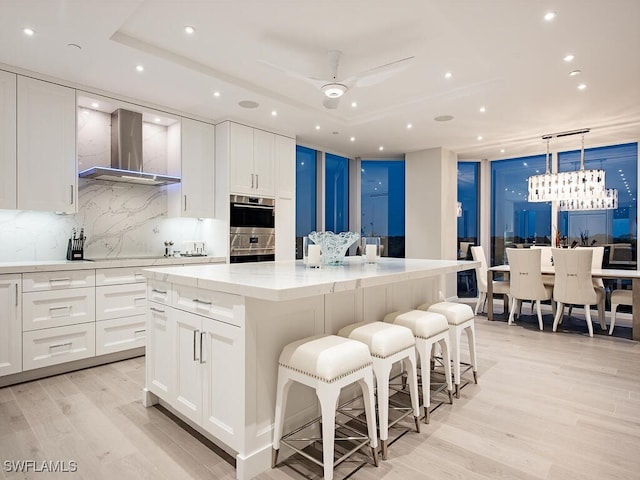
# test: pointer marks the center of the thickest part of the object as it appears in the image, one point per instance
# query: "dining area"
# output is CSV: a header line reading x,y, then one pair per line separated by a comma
x,y
562,278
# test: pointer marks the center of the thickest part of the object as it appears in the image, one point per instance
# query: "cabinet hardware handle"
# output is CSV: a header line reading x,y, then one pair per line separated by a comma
x,y
140,331
60,307
163,292
195,335
259,207
185,203
139,298
64,279
204,302
252,180
16,294
201,358
257,180
71,188
154,309
138,275
56,345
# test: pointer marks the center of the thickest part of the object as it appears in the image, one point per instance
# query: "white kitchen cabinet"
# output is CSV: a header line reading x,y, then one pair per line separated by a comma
x,y
285,221
118,301
40,281
119,334
197,169
250,159
56,308
160,339
10,325
46,146
52,346
188,360
8,162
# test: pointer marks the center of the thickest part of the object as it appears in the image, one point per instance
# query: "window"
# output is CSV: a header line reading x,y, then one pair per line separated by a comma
x,y
382,204
610,228
306,195
468,190
515,221
336,193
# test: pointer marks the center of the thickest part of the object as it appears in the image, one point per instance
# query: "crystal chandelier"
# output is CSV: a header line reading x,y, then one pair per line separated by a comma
x,y
577,190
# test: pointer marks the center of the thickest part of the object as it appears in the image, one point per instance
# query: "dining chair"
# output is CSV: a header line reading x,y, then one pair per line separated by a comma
x,y
574,284
619,297
598,283
546,260
499,287
526,280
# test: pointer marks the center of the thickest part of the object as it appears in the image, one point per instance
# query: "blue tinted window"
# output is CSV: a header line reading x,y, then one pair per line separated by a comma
x,y
336,193
468,175
382,204
515,221
305,191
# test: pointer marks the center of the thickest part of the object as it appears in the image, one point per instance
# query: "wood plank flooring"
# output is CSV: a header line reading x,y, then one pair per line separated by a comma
x,y
547,406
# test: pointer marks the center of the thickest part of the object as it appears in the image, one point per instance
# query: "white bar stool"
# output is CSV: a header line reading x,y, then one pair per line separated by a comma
x,y
460,318
326,363
428,329
388,344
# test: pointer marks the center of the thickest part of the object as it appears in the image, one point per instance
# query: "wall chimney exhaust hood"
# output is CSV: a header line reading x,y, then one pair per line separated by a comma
x,y
126,154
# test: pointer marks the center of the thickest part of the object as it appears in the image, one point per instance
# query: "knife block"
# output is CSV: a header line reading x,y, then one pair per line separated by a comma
x,y
75,249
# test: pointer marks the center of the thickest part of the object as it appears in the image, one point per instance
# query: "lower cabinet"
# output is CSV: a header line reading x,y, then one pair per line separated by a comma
x,y
120,334
10,324
159,352
51,346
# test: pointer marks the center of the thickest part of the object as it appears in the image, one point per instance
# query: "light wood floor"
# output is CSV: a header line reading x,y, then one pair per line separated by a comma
x,y
547,406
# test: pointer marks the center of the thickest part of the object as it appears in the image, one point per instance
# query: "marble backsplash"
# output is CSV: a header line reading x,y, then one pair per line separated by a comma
x,y
119,219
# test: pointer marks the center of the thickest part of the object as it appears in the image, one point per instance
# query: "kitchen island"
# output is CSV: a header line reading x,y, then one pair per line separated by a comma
x,y
215,332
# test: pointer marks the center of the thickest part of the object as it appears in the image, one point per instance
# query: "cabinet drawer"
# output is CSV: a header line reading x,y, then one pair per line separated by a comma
x,y
42,348
38,281
120,334
159,292
117,301
208,303
56,308
118,276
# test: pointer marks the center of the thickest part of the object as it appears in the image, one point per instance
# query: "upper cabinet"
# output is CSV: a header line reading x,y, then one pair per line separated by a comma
x,y
196,169
46,146
285,198
8,140
251,161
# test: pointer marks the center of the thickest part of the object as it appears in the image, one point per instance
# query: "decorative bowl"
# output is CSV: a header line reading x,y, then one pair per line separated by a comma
x,y
334,246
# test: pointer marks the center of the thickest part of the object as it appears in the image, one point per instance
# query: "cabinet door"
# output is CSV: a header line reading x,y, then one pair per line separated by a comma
x,y
57,308
198,150
241,175
8,140
223,391
188,355
46,139
118,301
10,325
285,198
264,163
159,358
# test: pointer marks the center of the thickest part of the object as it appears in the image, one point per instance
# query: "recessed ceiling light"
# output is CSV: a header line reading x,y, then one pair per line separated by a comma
x,y
381,148
582,86
140,68
95,104
28,31
573,73
274,113
479,137
502,150
157,120
448,75
317,127
443,118
216,94
409,125
354,104
483,109
248,104
189,30
549,16
352,139
569,57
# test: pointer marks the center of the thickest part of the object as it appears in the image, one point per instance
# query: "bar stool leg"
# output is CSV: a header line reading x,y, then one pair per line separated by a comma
x,y
412,377
471,338
454,341
366,385
284,384
446,360
382,371
328,398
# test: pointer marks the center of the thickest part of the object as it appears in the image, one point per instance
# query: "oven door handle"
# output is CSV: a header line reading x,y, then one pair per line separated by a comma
x,y
259,207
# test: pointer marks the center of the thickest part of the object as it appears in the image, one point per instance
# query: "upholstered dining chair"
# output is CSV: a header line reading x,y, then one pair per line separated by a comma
x,y
546,260
499,287
574,284
598,284
526,280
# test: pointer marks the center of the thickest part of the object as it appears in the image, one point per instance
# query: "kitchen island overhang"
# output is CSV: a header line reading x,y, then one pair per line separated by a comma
x,y
215,334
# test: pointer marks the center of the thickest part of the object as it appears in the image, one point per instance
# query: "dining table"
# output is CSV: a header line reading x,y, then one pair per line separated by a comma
x,y
609,273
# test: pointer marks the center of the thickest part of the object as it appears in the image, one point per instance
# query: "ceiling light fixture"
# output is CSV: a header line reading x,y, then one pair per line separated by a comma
x,y
409,125
381,148
582,86
216,94
334,90
480,137
189,30
28,31
448,75
573,73
354,104
274,113
352,139
482,109
317,127
140,68
95,104
549,16
569,57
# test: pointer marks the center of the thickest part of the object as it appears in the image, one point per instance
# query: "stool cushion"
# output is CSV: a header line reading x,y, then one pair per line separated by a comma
x,y
456,313
423,324
383,339
325,357
624,297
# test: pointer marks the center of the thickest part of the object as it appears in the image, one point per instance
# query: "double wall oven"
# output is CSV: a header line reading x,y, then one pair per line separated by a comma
x,y
252,229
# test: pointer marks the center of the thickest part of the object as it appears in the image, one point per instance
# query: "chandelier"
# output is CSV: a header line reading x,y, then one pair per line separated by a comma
x,y
577,190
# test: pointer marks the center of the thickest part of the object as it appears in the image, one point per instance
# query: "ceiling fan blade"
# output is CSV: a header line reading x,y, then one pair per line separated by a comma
x,y
331,103
377,74
316,82
334,61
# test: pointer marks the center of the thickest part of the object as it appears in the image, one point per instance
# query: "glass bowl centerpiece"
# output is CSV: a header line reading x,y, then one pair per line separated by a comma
x,y
334,246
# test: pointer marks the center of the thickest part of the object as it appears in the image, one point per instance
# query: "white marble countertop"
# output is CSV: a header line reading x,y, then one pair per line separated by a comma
x,y
292,279
58,265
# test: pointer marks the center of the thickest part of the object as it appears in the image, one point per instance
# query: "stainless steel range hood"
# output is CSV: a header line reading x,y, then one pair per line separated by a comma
x,y
126,154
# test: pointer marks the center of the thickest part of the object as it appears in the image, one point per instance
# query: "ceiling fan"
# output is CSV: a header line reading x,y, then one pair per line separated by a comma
x,y
334,88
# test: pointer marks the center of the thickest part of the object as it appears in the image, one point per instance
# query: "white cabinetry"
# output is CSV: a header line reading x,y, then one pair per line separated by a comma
x,y
250,159
10,325
46,146
8,140
159,362
191,157
285,155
